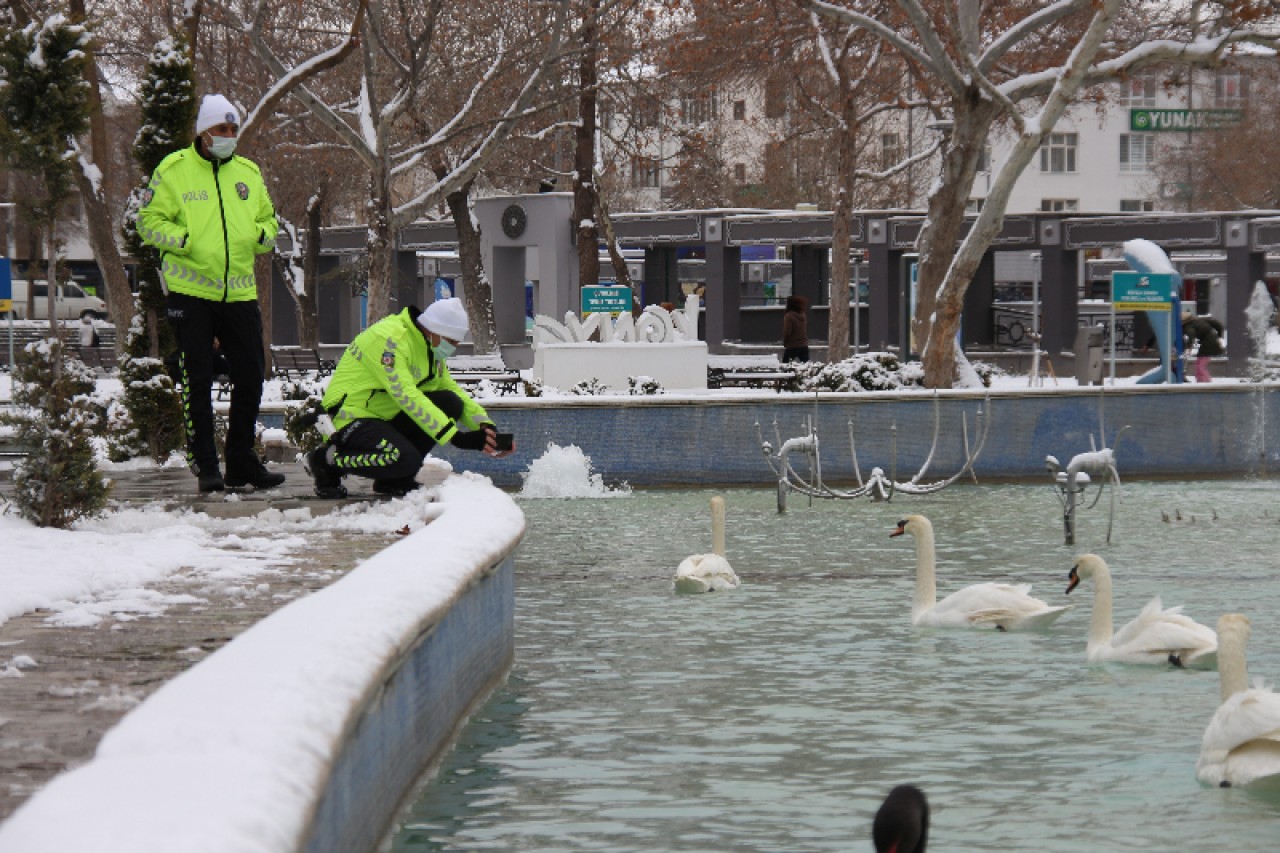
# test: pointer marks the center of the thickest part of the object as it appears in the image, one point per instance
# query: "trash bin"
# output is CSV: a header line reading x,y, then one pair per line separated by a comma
x,y
1088,353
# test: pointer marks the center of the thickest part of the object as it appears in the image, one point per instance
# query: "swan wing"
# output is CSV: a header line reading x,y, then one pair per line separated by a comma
x,y
989,605
1242,741
1156,631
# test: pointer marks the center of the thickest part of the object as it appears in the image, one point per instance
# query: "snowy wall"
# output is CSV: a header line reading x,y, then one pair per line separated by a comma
x,y
1174,431
308,730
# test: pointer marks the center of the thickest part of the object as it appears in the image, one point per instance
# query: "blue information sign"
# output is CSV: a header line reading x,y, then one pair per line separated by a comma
x,y
606,300
6,286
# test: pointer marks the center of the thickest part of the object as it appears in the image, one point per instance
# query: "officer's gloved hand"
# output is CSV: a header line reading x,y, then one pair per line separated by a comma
x,y
473,440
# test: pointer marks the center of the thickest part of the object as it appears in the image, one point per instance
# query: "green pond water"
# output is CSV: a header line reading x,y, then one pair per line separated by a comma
x,y
776,716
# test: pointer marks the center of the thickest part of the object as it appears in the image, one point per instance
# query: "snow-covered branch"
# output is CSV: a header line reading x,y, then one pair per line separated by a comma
x,y
911,51
900,166
319,108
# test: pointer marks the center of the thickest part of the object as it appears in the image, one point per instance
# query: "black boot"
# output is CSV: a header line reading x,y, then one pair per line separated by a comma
x,y
210,479
396,487
252,474
328,477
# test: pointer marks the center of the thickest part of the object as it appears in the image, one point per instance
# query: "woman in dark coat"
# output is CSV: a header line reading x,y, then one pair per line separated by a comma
x,y
1207,331
795,330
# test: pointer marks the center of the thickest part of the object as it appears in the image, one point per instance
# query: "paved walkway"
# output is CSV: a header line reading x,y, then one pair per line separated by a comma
x,y
88,678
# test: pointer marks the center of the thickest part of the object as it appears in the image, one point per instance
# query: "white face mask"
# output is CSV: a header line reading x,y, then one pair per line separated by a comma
x,y
221,147
445,349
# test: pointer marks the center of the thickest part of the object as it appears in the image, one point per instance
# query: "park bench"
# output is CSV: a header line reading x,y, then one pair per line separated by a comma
x,y
747,371
471,370
100,358
299,362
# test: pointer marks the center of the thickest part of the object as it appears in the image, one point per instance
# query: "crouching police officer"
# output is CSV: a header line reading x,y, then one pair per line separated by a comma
x,y
392,400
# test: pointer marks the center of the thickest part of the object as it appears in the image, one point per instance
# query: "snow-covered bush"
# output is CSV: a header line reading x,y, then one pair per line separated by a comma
x,y
533,387
300,424
643,386
55,418
876,371
589,388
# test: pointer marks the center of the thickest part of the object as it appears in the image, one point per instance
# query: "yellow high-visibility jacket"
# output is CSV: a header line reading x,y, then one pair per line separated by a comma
x,y
387,370
209,220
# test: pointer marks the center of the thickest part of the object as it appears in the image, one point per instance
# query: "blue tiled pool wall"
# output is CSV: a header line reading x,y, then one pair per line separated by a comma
x,y
414,715
1172,431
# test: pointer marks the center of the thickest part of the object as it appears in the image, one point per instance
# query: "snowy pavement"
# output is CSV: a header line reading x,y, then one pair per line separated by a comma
x,y
93,620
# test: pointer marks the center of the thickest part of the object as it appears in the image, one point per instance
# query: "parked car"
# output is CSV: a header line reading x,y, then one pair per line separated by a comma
x,y
72,302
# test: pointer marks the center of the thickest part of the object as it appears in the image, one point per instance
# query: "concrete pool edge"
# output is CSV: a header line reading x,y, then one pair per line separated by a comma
x,y
380,671
1177,430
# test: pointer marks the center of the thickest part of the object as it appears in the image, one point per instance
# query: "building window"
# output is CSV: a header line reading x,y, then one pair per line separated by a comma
x,y
984,159
974,206
775,96
740,173
1059,205
644,171
890,150
645,112
1229,89
1138,92
1058,153
1137,152
1136,205
699,108
739,110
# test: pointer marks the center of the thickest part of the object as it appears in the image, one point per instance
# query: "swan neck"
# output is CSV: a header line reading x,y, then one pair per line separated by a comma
x,y
1233,667
926,580
1100,625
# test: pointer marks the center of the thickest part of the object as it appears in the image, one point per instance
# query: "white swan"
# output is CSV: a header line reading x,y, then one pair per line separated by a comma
x,y
708,572
1155,635
1242,742
999,605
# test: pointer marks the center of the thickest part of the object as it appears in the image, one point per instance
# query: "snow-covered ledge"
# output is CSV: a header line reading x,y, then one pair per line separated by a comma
x,y
659,344
308,730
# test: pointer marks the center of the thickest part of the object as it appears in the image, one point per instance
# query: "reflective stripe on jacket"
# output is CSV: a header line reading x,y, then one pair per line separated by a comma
x,y
387,370
209,222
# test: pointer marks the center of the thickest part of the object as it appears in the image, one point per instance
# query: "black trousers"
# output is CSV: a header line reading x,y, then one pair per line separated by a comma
x,y
237,326
389,450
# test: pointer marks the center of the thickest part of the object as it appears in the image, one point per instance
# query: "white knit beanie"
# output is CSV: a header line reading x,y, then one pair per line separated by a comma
x,y
215,109
446,318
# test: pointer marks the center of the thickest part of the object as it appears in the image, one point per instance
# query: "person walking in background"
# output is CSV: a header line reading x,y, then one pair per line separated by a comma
x,y
795,330
392,400
1206,332
209,214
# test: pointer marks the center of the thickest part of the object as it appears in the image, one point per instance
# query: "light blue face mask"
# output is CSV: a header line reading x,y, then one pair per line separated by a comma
x,y
222,147
445,349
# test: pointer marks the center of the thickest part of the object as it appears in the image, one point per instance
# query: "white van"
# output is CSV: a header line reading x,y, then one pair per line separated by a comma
x,y
72,302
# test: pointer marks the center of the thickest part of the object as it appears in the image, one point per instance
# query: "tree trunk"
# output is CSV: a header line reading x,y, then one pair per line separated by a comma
x,y
262,279
381,246
942,231
307,308
621,274
477,292
97,205
846,164
584,156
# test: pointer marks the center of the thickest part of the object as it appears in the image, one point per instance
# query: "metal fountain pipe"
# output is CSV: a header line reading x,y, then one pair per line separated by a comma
x,y
1095,462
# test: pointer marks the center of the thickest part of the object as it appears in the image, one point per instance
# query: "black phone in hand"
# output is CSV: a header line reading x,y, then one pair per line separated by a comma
x,y
505,440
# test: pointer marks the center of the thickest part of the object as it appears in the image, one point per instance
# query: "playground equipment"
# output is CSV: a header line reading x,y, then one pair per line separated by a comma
x,y
877,485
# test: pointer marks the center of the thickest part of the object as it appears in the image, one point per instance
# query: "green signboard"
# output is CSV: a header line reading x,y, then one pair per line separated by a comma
x,y
1182,120
1143,291
606,300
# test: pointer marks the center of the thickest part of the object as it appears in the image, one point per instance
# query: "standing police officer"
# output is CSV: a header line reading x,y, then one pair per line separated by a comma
x,y
209,214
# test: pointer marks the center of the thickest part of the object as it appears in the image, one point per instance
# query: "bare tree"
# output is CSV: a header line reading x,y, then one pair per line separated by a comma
x,y
402,52
1022,63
